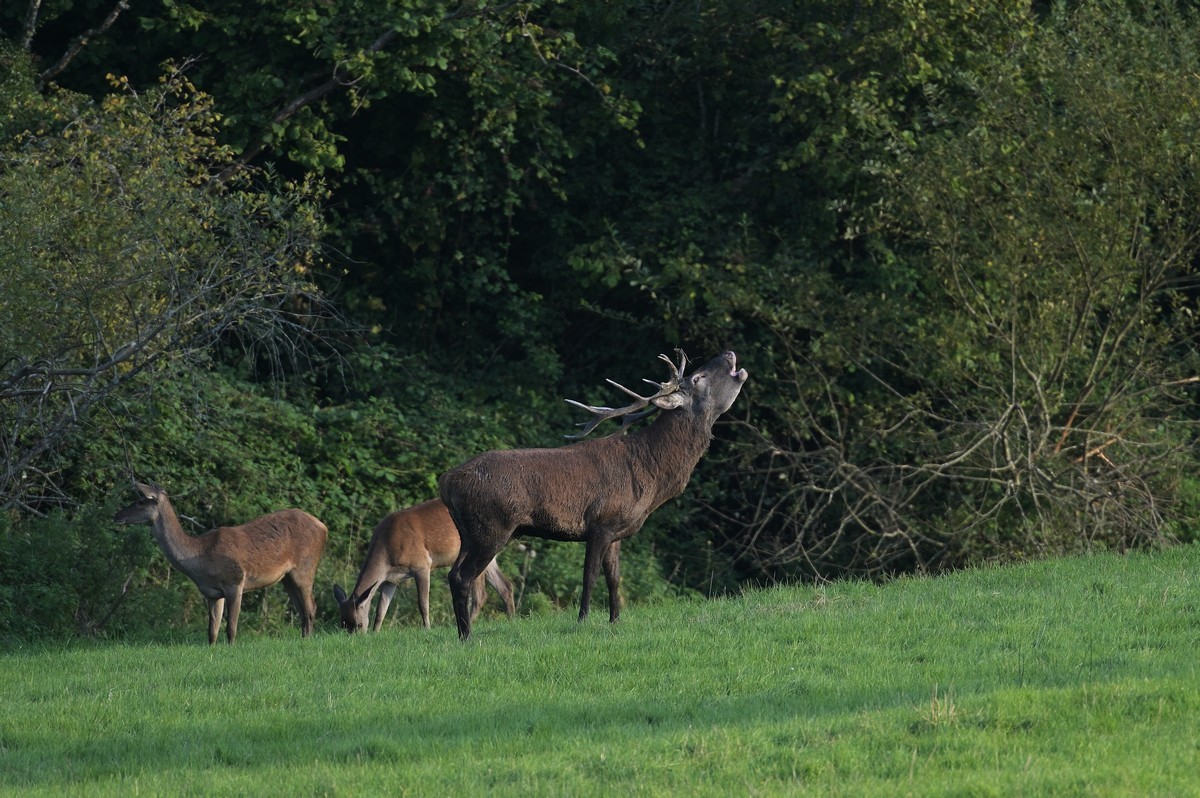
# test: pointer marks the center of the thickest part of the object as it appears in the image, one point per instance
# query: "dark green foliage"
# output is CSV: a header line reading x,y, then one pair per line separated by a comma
x,y
124,254
62,576
953,244
554,570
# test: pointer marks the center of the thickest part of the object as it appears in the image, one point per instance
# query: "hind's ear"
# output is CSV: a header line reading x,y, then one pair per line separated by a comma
x,y
339,594
366,595
147,491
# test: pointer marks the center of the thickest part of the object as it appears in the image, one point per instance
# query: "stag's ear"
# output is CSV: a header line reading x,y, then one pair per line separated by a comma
x,y
339,594
670,401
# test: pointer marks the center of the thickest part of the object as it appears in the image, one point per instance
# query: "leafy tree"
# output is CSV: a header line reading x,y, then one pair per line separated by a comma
x,y
124,256
741,221
436,123
1024,387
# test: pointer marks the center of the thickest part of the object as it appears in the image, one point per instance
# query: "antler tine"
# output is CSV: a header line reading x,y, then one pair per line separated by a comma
x,y
630,413
676,378
601,414
634,394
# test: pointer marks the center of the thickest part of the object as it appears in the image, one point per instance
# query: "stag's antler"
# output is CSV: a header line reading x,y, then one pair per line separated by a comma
x,y
629,412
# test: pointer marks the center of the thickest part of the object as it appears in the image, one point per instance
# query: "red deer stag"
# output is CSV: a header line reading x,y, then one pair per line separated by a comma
x,y
411,543
227,561
598,491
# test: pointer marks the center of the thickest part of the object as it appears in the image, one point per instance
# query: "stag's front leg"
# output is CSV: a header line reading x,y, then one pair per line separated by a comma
x,y
596,552
216,608
612,577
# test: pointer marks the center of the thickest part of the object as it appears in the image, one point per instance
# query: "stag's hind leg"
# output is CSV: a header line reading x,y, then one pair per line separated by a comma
x,y
463,579
612,577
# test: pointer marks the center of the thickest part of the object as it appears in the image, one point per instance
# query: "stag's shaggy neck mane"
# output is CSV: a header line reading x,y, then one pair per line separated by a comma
x,y
671,447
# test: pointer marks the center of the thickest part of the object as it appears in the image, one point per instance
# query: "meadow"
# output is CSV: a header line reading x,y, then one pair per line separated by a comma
x,y
1067,677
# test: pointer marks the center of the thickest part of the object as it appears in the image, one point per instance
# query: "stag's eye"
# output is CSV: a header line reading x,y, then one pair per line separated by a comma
x,y
697,378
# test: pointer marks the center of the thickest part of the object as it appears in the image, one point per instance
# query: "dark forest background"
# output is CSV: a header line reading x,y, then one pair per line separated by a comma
x,y
313,253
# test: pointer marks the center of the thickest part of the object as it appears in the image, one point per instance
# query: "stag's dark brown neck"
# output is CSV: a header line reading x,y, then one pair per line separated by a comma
x,y
671,447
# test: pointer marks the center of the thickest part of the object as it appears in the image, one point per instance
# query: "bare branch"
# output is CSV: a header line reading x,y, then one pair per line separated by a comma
x,y
31,18
79,42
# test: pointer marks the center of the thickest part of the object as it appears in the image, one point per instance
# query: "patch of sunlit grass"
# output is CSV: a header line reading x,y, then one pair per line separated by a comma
x,y
1074,676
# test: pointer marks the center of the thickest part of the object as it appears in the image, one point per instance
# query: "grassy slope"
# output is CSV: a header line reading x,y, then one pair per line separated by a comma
x,y
1067,677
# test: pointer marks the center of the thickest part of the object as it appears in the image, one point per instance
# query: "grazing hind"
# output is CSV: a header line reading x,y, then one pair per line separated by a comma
x,y
411,543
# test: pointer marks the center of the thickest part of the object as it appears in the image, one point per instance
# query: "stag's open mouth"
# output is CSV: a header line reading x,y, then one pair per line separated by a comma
x,y
738,374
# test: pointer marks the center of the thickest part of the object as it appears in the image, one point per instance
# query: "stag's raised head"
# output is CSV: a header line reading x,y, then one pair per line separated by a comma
x,y
711,389
704,394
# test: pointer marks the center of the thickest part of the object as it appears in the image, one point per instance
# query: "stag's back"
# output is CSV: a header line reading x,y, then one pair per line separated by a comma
x,y
615,481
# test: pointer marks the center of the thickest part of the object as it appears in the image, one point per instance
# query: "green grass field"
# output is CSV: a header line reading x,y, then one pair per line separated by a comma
x,y
1070,677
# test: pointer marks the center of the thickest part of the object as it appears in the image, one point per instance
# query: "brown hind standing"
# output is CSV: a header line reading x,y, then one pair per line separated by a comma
x,y
598,492
230,560
410,543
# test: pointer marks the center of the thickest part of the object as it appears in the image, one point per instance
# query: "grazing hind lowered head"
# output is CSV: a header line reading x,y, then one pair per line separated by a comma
x,y
411,543
599,491
228,561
